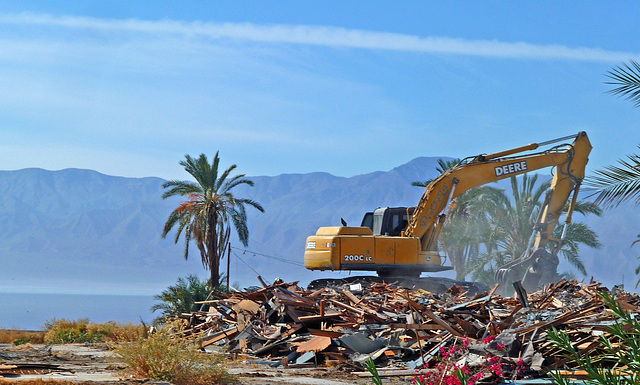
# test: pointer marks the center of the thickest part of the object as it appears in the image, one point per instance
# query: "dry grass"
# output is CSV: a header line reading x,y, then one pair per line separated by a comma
x,y
177,360
19,337
65,331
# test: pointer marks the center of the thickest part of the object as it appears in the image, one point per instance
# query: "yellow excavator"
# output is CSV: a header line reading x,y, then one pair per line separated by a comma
x,y
403,242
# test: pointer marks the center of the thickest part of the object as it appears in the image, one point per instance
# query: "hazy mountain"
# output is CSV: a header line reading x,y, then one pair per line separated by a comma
x,y
82,231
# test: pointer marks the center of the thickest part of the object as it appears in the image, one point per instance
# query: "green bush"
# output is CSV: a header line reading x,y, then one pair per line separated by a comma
x,y
65,331
182,297
164,357
22,340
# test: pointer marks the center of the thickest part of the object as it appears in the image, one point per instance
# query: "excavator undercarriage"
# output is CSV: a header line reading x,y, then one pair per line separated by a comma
x,y
437,285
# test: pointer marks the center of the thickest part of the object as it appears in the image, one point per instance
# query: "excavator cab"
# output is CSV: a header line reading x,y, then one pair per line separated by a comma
x,y
389,221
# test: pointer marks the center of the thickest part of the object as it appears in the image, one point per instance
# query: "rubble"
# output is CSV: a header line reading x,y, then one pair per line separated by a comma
x,y
406,331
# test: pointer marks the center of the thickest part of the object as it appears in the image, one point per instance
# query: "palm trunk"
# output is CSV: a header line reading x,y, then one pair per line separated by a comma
x,y
212,250
459,263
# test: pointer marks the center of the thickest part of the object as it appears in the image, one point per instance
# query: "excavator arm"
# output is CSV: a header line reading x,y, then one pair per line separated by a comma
x,y
570,161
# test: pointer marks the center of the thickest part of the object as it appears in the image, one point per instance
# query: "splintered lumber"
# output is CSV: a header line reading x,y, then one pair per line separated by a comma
x,y
229,333
352,309
325,333
316,318
442,323
350,296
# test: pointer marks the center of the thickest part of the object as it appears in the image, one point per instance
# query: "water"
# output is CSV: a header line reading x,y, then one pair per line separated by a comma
x,y
30,311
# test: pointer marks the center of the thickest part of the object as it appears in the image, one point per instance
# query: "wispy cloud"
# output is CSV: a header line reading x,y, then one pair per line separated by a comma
x,y
326,36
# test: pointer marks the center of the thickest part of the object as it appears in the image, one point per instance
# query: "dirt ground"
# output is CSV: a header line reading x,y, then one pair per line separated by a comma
x,y
77,363
95,364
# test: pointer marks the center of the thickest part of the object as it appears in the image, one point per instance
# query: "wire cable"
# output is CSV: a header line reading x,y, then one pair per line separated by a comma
x,y
249,266
280,259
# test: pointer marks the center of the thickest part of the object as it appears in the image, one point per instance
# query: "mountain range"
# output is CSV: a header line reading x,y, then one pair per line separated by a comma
x,y
80,231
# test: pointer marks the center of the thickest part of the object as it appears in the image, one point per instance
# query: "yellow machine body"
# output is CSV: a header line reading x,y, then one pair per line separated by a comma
x,y
356,248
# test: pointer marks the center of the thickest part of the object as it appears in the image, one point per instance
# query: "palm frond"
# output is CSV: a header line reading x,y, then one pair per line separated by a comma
x,y
235,181
215,164
225,174
417,183
187,240
171,221
626,78
199,169
442,167
584,208
446,165
579,232
252,203
617,184
181,188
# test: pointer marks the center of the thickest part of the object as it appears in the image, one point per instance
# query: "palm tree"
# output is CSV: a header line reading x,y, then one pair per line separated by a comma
x,y
181,297
443,165
512,221
209,208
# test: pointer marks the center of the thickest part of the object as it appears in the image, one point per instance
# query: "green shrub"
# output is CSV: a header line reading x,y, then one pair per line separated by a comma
x,y
64,331
182,297
21,341
163,357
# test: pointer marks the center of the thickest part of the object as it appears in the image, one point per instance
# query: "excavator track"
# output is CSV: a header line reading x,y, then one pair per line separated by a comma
x,y
431,284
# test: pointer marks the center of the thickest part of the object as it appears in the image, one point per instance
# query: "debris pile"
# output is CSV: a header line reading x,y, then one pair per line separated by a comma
x,y
404,330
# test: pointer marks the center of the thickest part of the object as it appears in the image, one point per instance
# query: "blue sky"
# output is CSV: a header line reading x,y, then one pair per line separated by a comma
x,y
127,88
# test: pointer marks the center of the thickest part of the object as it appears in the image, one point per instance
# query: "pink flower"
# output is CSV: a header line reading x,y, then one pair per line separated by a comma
x,y
496,369
488,339
520,366
500,346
